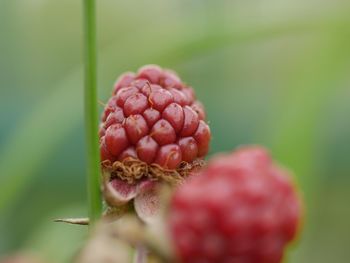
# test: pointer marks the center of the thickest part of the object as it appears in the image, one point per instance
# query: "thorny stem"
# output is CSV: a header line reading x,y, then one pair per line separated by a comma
x,y
91,111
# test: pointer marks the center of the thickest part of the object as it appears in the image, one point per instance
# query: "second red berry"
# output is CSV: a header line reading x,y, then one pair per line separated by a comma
x,y
242,208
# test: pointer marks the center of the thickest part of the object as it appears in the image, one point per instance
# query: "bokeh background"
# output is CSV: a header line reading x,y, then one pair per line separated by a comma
x,y
271,72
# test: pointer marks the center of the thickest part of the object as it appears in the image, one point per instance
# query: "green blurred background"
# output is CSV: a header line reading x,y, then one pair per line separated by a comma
x,y
273,72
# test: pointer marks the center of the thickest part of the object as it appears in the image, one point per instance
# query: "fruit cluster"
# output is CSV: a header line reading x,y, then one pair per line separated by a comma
x,y
153,117
241,208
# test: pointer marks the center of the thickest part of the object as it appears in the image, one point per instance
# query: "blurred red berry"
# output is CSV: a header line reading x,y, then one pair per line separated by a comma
x,y
242,208
154,117
123,81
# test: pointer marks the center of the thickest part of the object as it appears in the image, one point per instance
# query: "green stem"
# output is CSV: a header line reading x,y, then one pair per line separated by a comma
x,y
91,111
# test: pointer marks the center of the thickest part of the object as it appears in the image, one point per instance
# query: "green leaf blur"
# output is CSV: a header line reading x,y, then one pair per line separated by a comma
x,y
270,72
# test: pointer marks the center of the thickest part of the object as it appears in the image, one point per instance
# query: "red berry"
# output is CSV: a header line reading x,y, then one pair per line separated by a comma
x,y
179,97
104,153
174,115
199,108
202,136
110,107
116,139
117,116
128,153
163,132
190,122
159,99
171,80
189,93
136,127
151,72
152,117
242,208
169,156
189,148
124,93
135,104
123,81
102,131
148,88
141,83
146,149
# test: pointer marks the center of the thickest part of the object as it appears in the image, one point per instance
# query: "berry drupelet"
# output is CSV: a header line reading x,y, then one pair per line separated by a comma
x,y
241,208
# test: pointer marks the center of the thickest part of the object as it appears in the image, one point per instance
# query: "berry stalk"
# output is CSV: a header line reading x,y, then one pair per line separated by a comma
x,y
91,111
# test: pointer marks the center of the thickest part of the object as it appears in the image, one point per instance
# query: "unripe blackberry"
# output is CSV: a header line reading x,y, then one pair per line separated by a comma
x,y
242,208
152,129
149,117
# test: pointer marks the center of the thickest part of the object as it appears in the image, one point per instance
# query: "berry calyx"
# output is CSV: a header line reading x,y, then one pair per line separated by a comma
x,y
242,208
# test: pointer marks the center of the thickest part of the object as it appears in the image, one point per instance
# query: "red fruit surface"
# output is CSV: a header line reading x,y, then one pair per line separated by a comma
x,y
242,208
169,156
154,117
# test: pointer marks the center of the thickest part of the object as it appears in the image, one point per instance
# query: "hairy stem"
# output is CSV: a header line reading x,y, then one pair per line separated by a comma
x,y
91,111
